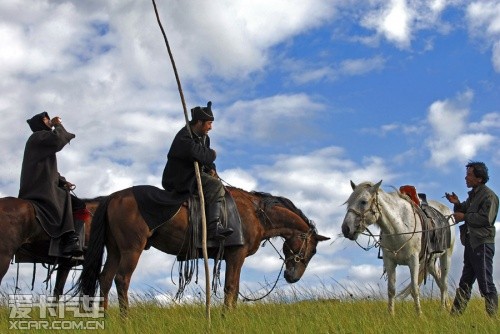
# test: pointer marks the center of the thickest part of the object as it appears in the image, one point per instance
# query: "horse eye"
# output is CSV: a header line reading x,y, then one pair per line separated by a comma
x,y
363,202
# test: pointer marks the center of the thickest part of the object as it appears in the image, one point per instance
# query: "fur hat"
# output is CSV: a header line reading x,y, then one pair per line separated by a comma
x,y
202,113
36,122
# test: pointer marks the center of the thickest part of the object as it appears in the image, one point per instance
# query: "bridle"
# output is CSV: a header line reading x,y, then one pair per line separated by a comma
x,y
374,209
300,256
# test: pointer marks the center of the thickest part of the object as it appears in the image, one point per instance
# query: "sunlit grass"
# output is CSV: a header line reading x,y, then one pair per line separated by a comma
x,y
285,314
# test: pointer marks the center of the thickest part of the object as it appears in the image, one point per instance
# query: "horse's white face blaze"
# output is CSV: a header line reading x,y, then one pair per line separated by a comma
x,y
298,251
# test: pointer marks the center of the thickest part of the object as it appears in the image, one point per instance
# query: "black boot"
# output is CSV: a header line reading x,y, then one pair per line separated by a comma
x,y
491,303
215,229
460,303
71,245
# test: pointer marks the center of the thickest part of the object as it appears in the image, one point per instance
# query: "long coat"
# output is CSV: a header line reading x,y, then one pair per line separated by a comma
x,y
42,184
179,174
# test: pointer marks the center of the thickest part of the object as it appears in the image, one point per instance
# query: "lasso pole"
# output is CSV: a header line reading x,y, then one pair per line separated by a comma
x,y
197,172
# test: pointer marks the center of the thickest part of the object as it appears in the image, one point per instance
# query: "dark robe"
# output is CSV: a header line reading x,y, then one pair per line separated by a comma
x,y
42,184
179,174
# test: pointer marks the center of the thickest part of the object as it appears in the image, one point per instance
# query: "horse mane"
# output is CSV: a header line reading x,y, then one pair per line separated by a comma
x,y
268,201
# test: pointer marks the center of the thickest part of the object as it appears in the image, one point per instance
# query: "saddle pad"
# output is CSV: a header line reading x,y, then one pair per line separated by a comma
x,y
437,233
156,205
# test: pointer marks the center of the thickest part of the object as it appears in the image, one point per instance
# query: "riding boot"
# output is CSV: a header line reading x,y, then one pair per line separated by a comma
x,y
491,303
460,303
71,244
215,229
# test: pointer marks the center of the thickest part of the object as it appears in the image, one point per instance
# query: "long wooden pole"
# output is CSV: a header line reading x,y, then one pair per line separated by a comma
x,y
197,172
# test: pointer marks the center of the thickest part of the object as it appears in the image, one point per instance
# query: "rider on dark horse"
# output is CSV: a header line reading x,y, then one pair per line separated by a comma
x,y
179,172
44,187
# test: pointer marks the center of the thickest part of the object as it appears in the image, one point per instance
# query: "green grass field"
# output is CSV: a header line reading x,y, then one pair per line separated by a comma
x,y
313,316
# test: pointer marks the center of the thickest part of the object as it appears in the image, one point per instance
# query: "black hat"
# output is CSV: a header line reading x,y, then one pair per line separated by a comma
x,y
36,122
202,113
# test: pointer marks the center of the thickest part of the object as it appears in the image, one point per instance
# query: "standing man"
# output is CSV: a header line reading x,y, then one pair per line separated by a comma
x,y
477,234
42,184
179,173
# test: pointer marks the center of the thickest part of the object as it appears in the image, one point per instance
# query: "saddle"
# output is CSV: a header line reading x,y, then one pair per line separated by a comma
x,y
229,218
158,206
49,251
436,235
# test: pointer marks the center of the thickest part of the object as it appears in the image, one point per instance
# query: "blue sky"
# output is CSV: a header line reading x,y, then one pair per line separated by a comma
x,y
307,96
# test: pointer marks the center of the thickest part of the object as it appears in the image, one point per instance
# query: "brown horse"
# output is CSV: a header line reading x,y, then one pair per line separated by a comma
x,y
118,225
19,227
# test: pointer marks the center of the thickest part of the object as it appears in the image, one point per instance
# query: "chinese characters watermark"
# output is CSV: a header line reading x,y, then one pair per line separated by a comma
x,y
28,312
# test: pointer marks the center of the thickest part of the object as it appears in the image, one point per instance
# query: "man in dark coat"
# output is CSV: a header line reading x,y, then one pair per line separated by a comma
x,y
477,234
179,173
42,184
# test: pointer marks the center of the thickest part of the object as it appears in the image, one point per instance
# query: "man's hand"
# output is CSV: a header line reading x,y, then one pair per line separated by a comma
x,y
459,216
55,121
69,186
453,198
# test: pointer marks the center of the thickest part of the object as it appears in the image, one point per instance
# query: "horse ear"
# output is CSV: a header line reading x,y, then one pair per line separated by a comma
x,y
353,186
377,186
320,237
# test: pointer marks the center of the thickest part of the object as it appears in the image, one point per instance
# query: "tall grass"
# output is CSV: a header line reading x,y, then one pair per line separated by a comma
x,y
289,315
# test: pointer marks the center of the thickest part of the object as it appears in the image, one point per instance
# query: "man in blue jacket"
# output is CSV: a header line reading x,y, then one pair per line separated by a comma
x,y
179,173
477,234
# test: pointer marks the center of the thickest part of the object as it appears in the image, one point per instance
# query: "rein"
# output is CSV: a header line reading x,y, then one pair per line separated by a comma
x,y
297,257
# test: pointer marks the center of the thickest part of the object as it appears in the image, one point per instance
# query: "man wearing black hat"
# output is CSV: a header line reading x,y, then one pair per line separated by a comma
x,y
179,173
42,184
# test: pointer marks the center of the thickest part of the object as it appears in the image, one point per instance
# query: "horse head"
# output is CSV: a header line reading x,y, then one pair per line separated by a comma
x,y
298,250
362,209
300,233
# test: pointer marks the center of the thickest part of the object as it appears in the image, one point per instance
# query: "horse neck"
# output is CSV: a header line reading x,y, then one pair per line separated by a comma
x,y
396,214
283,222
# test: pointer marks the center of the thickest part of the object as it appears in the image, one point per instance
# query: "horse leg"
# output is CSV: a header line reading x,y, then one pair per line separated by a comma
x,y
390,268
108,272
61,277
126,267
234,263
4,264
414,269
444,265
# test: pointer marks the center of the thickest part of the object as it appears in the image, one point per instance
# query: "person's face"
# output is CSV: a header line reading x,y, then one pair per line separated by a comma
x,y
202,128
46,120
472,180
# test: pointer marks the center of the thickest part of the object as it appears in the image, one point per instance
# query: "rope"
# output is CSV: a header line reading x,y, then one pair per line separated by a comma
x,y
422,231
248,299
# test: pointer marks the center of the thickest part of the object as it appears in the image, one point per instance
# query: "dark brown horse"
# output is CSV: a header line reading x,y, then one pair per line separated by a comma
x,y
118,225
19,226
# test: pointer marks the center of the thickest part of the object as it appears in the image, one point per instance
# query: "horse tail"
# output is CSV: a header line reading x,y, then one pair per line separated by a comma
x,y
88,282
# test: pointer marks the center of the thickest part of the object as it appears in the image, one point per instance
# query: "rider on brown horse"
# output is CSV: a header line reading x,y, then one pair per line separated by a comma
x,y
42,184
179,172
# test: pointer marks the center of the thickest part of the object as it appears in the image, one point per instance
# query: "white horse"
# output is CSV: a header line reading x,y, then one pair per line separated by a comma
x,y
400,237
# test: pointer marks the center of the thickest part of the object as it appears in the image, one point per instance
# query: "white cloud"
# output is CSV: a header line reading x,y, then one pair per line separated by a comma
x,y
495,56
452,137
483,18
398,20
281,117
